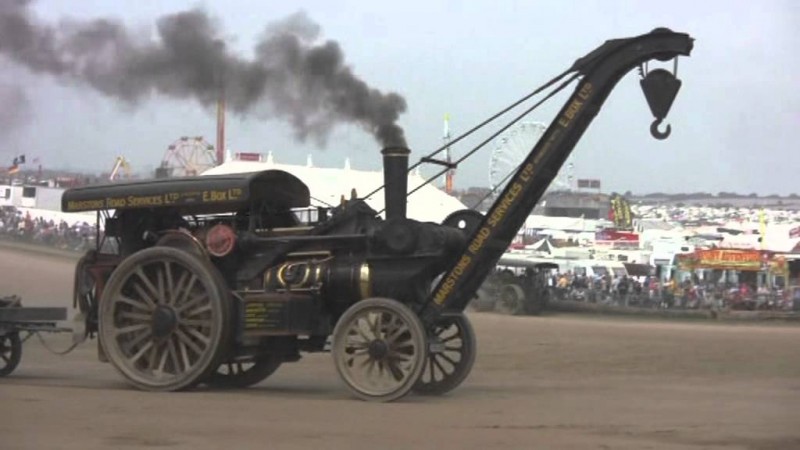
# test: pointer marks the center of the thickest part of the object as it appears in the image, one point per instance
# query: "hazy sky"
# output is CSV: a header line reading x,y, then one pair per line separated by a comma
x,y
734,121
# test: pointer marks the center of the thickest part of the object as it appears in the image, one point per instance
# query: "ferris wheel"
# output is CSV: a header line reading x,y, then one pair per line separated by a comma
x,y
188,156
511,148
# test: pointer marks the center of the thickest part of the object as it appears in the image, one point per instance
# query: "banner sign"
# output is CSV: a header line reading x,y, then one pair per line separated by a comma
x,y
723,259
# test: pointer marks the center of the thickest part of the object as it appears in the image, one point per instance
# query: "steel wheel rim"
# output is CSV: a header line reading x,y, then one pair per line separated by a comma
x,y
440,365
509,299
379,376
10,353
162,355
6,351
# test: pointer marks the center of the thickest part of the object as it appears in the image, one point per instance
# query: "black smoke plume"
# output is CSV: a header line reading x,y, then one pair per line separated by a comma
x,y
15,108
293,74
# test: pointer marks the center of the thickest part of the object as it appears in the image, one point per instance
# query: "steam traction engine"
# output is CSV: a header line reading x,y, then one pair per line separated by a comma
x,y
219,280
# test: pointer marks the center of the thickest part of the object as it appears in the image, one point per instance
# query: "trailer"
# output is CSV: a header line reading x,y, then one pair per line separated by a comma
x,y
219,280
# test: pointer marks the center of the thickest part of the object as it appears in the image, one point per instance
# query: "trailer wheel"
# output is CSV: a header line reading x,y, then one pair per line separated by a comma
x,y
451,356
511,300
10,353
537,302
165,319
242,374
379,349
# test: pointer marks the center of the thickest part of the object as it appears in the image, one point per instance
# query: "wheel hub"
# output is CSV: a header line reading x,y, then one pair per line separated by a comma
x,y
164,321
378,349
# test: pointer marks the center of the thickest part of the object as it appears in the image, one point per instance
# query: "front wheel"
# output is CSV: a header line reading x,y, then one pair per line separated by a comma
x,y
379,349
451,355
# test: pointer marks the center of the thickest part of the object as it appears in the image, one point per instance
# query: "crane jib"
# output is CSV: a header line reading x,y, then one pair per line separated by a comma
x,y
495,219
601,70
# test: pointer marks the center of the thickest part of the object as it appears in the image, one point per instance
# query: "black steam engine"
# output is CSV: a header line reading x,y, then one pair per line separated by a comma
x,y
218,280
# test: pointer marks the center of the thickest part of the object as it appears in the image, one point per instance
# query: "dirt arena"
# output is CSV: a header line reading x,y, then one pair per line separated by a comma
x,y
554,382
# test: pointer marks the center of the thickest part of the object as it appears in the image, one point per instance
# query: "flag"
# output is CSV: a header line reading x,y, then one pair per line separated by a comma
x,y
15,164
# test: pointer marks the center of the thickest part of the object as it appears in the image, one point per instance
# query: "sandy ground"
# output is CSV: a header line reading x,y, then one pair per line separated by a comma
x,y
566,382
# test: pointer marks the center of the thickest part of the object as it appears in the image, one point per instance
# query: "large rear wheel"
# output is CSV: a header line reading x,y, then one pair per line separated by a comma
x,y
379,348
511,300
451,355
164,319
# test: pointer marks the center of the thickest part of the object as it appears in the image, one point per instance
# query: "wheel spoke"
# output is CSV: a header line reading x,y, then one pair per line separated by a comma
x,y
184,351
135,316
162,364
186,292
147,283
136,304
361,333
178,289
162,295
451,338
374,325
144,295
138,339
169,283
198,335
397,372
173,355
151,362
191,303
141,351
396,333
448,359
435,360
186,341
131,329
199,310
6,359
202,323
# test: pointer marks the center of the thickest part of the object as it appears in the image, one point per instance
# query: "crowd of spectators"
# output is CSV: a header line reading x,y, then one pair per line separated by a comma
x,y
652,292
21,226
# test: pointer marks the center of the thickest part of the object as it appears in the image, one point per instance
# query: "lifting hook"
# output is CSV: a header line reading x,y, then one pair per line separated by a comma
x,y
658,134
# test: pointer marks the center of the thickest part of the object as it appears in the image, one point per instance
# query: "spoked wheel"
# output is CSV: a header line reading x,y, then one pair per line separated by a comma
x,y
241,374
10,353
165,319
512,300
537,302
451,355
379,348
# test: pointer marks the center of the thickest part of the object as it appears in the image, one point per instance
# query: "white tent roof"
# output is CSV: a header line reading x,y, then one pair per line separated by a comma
x,y
327,185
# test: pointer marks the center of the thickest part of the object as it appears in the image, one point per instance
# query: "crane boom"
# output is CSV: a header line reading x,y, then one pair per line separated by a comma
x,y
601,69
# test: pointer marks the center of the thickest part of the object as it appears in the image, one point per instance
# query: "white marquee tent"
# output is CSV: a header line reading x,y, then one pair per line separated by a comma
x,y
327,185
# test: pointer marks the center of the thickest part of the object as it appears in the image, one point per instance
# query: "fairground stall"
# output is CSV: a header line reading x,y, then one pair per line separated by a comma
x,y
742,279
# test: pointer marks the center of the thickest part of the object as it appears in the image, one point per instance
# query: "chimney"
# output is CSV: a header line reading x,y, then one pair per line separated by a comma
x,y
221,129
395,180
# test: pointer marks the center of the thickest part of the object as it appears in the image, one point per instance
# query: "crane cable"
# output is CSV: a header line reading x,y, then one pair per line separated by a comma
x,y
519,117
489,120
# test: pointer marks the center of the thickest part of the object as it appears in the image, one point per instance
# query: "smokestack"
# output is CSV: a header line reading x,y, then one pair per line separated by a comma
x,y
395,180
221,130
